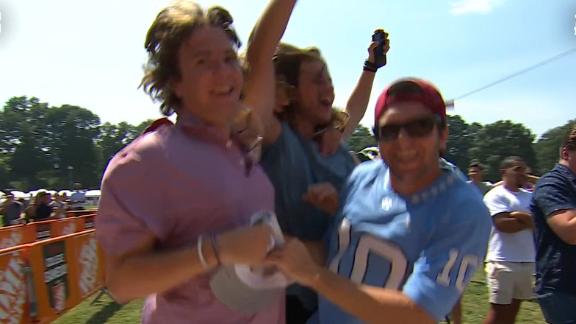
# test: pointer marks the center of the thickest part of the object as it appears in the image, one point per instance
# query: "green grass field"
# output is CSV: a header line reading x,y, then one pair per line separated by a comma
x,y
475,306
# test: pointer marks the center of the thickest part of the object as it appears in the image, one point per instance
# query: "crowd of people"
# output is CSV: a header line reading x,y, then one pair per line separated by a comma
x,y
43,205
393,240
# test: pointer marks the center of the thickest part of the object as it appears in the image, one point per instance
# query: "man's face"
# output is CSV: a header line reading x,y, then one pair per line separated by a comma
x,y
46,199
315,92
570,157
515,175
475,174
414,152
210,77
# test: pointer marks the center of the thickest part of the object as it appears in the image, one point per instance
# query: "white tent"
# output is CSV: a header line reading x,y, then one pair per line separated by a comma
x,y
92,193
19,194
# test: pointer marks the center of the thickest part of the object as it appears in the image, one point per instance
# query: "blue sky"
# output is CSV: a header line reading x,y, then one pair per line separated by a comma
x,y
90,53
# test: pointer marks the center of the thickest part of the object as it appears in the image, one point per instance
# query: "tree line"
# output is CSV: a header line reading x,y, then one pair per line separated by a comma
x,y
43,146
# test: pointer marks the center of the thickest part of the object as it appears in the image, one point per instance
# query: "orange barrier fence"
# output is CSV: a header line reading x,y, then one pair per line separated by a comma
x,y
23,234
76,213
41,280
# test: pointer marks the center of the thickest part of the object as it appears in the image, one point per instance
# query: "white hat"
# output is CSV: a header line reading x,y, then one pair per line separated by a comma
x,y
246,289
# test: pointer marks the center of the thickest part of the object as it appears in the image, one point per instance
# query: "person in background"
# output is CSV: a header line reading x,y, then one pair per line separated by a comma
x,y
511,256
78,197
40,208
11,209
59,206
475,174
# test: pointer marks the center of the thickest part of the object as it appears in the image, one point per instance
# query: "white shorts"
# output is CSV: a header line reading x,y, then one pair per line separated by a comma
x,y
509,280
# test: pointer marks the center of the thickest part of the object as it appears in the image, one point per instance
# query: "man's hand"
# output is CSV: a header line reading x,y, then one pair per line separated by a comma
x,y
374,45
323,196
524,218
248,245
294,260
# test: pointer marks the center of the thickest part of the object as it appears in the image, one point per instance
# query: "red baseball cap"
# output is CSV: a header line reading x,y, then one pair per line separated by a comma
x,y
413,90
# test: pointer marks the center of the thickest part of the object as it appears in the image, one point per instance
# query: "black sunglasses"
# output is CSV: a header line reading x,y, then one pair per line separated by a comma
x,y
416,128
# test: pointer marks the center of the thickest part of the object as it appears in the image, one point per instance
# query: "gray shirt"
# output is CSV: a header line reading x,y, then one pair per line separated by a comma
x,y
12,212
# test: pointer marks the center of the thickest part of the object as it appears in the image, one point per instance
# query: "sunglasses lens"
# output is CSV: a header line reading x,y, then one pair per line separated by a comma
x,y
416,128
390,132
419,128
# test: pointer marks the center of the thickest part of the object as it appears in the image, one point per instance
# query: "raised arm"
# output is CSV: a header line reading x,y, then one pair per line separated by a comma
x,y
358,101
260,85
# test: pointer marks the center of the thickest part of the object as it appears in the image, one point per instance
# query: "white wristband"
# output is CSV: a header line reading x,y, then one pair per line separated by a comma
x,y
200,254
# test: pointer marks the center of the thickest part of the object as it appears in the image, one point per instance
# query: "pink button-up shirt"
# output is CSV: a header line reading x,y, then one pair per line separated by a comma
x,y
176,183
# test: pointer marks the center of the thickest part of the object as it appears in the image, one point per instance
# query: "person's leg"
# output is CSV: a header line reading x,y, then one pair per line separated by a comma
x,y
502,314
500,282
456,314
523,287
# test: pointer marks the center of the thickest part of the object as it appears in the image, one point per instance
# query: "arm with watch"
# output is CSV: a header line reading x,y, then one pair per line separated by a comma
x,y
128,273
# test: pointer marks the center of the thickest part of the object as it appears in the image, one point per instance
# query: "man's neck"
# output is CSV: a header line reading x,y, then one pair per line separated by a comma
x,y
510,187
567,164
303,127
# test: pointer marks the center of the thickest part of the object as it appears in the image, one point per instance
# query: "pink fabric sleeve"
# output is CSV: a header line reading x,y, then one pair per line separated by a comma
x,y
130,210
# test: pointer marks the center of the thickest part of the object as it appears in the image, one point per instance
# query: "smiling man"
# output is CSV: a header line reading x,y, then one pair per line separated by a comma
x,y
411,231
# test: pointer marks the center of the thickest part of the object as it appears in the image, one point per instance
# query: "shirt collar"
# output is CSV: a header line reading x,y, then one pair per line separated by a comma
x,y
565,171
192,125
450,175
250,149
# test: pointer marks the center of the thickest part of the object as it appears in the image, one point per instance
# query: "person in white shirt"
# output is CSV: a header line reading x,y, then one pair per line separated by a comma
x,y
511,254
78,197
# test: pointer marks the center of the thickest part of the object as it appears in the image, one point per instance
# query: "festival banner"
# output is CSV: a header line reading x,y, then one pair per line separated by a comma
x,y
66,226
43,229
87,269
50,263
13,286
88,221
11,236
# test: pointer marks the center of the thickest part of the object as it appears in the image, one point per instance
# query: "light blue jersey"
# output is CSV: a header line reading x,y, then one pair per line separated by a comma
x,y
427,245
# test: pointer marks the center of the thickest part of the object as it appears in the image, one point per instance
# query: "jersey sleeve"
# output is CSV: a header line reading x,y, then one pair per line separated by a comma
x,y
552,196
496,202
447,264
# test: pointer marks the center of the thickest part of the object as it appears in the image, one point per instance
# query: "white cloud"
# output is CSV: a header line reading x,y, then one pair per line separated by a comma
x,y
464,7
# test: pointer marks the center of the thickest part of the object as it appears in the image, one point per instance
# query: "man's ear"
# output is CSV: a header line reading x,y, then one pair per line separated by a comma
x,y
443,136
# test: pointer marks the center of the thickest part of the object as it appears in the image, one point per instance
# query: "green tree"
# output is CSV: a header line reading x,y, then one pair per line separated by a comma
x,y
460,139
27,161
494,142
71,133
361,139
548,145
112,138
